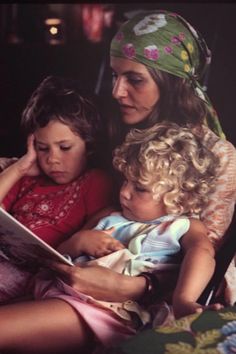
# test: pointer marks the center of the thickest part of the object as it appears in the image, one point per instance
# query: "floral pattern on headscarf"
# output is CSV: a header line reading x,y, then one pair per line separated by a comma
x,y
165,41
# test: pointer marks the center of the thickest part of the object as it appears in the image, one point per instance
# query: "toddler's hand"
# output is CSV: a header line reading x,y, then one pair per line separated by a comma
x,y
185,308
100,243
95,243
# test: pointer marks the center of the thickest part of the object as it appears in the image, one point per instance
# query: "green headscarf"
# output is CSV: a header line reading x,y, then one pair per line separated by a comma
x,y
165,41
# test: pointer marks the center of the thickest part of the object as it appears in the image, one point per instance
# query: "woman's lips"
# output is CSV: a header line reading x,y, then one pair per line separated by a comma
x,y
126,108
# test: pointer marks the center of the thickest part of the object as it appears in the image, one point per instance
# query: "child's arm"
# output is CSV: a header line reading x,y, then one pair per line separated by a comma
x,y
96,243
196,270
26,165
6,161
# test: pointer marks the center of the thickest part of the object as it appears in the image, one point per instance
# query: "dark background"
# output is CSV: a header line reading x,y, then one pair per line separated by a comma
x,y
26,57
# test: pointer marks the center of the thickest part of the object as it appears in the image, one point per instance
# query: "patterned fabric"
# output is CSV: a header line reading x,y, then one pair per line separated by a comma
x,y
211,332
55,212
219,211
151,245
165,41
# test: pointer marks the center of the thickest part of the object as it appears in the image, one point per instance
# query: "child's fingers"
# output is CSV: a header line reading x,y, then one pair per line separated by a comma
x,y
117,246
109,231
108,248
212,307
30,141
215,307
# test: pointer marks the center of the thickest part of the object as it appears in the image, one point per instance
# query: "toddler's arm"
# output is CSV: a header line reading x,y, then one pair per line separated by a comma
x,y
196,270
95,243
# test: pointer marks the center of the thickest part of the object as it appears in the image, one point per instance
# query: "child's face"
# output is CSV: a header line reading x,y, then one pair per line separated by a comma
x,y
61,153
138,204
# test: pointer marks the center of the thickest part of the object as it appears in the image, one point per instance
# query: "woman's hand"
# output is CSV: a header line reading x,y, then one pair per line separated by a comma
x,y
100,282
95,243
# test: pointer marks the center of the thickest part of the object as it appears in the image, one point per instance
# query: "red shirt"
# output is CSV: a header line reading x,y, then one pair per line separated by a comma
x,y
55,212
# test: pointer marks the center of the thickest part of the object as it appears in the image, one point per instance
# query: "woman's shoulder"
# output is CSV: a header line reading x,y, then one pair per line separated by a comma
x,y
218,143
222,148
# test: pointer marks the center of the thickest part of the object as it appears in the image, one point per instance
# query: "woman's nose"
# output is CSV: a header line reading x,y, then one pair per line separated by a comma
x,y
119,89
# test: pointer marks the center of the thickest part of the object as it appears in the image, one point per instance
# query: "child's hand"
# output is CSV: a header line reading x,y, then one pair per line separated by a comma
x,y
101,243
95,243
184,308
27,164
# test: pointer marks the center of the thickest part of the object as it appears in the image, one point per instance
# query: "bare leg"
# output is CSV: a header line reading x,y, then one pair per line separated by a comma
x,y
47,326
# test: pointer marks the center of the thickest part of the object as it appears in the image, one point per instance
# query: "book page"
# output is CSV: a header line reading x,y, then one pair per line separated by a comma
x,y
21,246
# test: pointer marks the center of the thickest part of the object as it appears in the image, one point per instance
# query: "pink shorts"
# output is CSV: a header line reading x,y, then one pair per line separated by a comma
x,y
106,326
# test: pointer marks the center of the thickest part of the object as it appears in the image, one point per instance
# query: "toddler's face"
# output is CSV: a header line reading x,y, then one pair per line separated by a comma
x,y
61,153
138,204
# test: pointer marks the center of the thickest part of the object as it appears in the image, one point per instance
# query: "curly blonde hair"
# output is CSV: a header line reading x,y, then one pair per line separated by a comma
x,y
172,162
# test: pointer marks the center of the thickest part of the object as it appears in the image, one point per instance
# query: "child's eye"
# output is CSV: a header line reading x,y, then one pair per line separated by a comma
x,y
65,148
41,148
140,188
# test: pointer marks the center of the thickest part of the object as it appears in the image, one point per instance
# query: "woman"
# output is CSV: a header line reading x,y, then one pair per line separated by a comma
x,y
158,62
160,82
156,76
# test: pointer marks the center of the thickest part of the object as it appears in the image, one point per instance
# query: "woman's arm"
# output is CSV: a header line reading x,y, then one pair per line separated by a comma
x,y
102,283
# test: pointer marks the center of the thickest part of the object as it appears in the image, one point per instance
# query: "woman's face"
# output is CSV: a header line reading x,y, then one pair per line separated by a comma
x,y
134,89
61,152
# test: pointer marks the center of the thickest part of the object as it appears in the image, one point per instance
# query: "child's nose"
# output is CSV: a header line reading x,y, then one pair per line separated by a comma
x,y
125,191
53,157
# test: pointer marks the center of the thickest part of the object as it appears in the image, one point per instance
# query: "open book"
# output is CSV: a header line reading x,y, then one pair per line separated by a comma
x,y
21,246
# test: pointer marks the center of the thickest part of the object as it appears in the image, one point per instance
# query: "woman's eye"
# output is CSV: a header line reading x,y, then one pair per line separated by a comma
x,y
134,80
114,75
114,78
